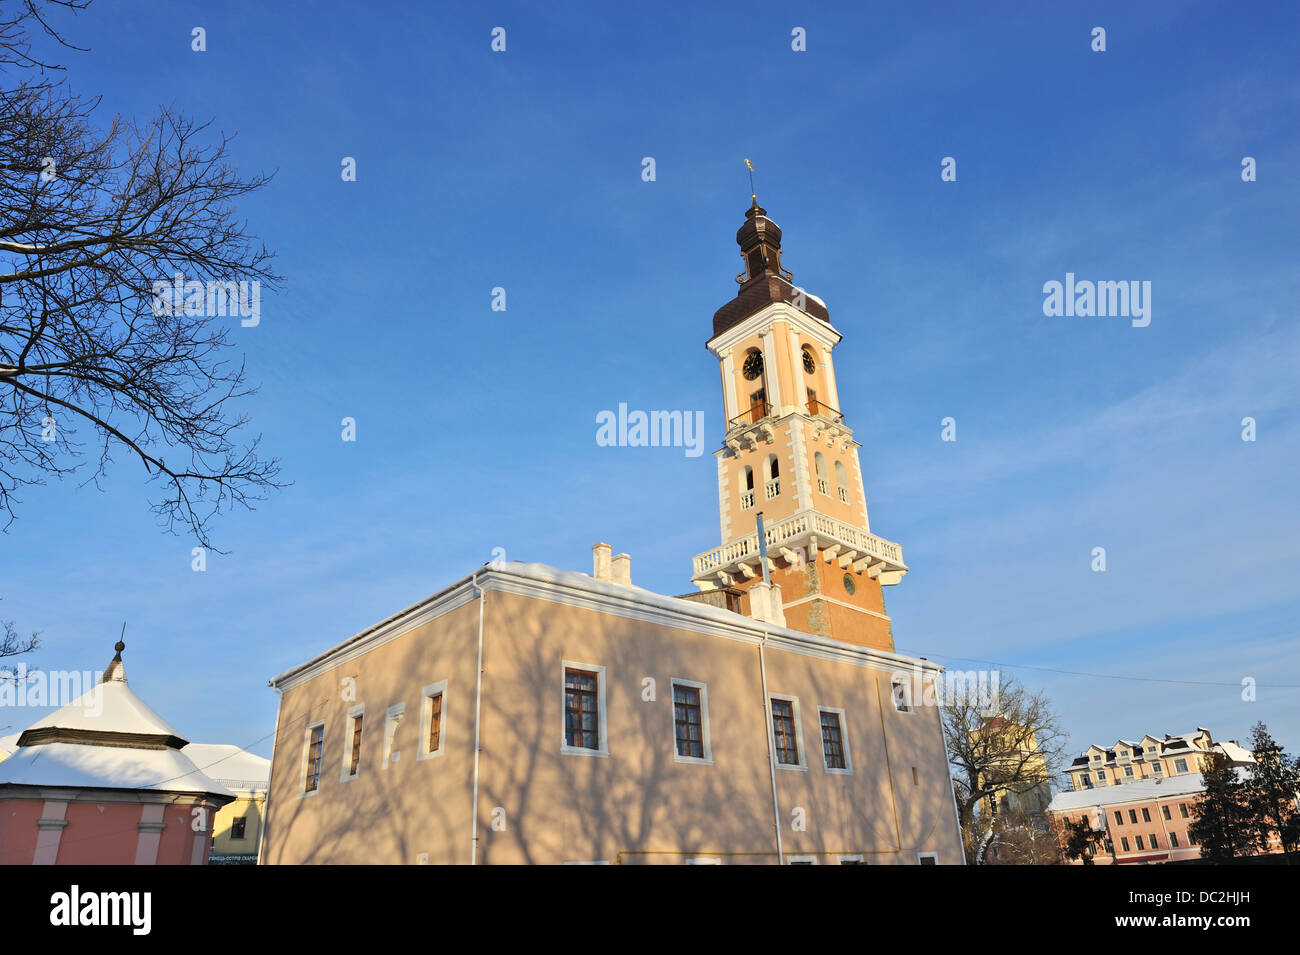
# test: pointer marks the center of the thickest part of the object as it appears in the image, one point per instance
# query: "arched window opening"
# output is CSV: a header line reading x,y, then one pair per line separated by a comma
x,y
747,488
772,473
842,481
823,479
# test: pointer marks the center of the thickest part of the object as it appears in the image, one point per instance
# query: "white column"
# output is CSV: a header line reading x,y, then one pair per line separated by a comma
x,y
150,827
770,377
50,832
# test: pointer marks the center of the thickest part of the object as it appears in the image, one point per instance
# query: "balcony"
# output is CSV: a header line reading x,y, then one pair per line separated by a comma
x,y
756,413
820,409
838,544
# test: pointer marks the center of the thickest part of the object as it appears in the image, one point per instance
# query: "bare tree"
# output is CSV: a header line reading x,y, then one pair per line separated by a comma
x,y
124,251
1003,757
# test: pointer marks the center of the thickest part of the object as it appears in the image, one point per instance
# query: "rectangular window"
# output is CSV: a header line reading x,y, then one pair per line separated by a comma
x,y
1157,767
1128,771
312,757
902,696
1123,842
1132,816
584,710
1182,809
239,827
1101,776
1191,839
1154,843
691,722
927,858
1173,840
433,720
1146,814
1119,818
783,732
852,860
1180,765
835,748
1165,811
1086,779
581,709
1140,844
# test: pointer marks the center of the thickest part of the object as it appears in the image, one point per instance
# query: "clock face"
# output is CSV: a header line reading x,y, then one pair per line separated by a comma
x,y
753,366
808,364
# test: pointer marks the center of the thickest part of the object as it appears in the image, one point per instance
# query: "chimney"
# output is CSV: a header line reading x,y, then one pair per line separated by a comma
x,y
765,603
600,562
622,564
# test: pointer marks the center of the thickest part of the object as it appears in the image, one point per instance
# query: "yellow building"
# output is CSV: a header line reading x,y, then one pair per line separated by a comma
x,y
237,828
526,714
1151,757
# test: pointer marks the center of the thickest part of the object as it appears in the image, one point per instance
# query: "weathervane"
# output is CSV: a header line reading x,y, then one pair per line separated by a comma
x,y
752,194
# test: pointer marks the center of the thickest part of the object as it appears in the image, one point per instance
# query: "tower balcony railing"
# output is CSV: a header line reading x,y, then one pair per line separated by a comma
x,y
756,413
860,546
773,488
821,409
746,499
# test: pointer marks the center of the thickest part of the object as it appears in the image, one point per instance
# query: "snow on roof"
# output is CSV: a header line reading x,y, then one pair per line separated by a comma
x,y
110,707
1234,752
1141,791
233,767
8,744
676,606
85,766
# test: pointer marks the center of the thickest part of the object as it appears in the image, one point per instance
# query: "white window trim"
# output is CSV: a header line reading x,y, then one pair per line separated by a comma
x,y
854,857
303,792
802,765
392,720
601,690
704,860
927,855
426,720
353,712
593,862
707,759
907,696
812,860
844,741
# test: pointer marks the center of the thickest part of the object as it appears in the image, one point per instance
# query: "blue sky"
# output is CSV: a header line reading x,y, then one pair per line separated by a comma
x,y
476,429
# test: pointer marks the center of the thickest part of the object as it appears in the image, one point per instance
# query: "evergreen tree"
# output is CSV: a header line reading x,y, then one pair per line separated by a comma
x,y
1271,787
1223,824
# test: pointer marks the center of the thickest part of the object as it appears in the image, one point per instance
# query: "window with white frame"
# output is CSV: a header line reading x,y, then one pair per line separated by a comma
x,y
835,745
1180,765
433,717
902,693
691,722
352,741
801,860
927,858
851,860
584,710
787,733
312,754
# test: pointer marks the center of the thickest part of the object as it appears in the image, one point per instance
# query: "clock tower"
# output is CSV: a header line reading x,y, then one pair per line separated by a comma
x,y
788,454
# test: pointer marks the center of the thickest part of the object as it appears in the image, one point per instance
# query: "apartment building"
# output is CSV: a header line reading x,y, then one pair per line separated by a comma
x,y
1151,757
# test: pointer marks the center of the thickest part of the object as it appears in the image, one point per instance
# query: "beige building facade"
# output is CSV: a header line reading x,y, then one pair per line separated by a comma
x,y
576,747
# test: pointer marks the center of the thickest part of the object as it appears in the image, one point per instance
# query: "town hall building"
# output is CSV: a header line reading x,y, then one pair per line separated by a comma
x,y
526,714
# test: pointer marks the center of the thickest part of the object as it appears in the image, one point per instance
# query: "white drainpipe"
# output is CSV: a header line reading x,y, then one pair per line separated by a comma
x,y
478,708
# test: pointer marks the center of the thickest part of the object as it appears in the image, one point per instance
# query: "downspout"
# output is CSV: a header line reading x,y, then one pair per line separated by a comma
x,y
266,813
771,755
478,707
767,701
